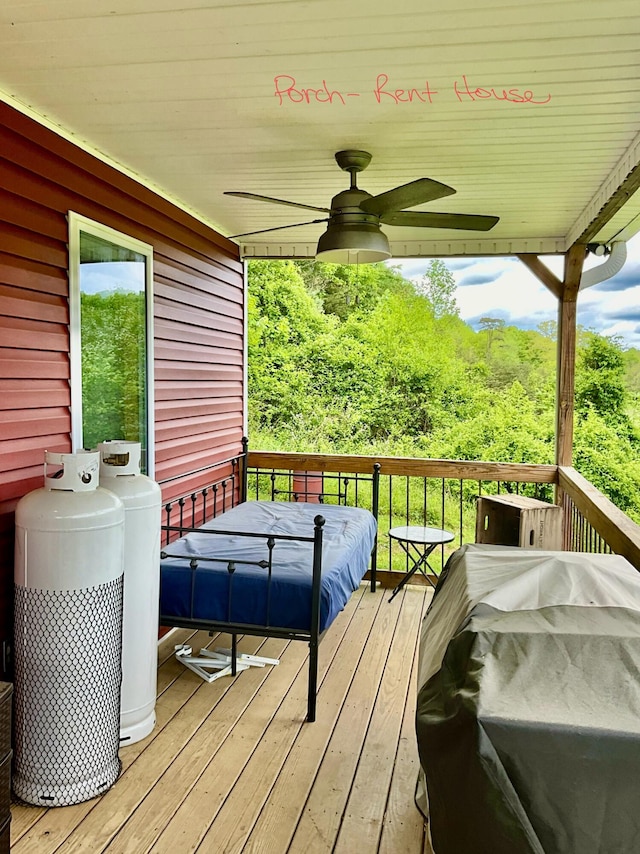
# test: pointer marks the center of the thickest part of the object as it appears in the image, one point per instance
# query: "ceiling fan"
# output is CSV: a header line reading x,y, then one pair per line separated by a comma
x,y
353,233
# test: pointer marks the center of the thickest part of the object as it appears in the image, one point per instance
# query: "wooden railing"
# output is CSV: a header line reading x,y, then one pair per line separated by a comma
x,y
588,512
406,466
441,493
413,491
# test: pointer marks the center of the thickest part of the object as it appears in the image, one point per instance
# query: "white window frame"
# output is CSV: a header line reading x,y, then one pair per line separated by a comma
x,y
77,224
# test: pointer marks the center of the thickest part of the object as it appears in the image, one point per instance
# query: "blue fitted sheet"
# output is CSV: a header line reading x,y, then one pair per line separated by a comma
x,y
348,537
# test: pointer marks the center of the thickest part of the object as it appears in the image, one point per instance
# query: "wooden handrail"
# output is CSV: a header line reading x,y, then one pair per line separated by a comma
x,y
613,525
409,466
620,532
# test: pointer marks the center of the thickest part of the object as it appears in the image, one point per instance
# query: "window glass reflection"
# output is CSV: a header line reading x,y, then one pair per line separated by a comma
x,y
113,342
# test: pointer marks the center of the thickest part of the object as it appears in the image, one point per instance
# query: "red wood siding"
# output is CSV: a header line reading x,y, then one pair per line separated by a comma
x,y
198,307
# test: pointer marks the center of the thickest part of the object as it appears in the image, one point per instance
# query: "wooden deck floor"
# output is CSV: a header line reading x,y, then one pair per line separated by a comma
x,y
232,766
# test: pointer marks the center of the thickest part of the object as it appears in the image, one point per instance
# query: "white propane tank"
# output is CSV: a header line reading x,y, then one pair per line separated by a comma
x,y
120,473
68,634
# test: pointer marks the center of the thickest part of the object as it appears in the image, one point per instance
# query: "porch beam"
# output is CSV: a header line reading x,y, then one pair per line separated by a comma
x,y
543,273
611,207
566,359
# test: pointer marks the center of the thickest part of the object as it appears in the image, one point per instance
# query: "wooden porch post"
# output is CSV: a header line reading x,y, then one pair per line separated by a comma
x,y
566,292
566,361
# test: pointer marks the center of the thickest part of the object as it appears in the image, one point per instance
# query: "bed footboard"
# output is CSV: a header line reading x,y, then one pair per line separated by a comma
x,y
192,620
216,552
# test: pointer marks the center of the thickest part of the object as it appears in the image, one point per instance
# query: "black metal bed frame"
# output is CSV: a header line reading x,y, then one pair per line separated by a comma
x,y
223,491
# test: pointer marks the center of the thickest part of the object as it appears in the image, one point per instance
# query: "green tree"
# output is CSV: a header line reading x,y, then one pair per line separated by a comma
x,y
632,370
610,460
424,380
439,287
522,355
505,426
283,319
549,329
600,378
492,329
346,289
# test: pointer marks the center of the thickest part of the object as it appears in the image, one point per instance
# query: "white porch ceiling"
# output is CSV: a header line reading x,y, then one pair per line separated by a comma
x,y
181,93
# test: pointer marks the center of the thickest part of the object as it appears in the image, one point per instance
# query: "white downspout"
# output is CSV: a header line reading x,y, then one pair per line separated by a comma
x,y
614,263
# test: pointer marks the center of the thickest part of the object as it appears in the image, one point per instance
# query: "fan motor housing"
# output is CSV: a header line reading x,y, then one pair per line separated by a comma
x,y
348,201
350,240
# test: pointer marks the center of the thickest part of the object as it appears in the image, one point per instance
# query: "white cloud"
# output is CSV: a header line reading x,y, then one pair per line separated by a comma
x,y
505,288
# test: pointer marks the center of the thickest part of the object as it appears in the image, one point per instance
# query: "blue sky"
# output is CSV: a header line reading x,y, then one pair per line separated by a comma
x,y
108,276
504,288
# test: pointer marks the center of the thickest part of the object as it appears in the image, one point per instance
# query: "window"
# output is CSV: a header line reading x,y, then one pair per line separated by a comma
x,y
111,316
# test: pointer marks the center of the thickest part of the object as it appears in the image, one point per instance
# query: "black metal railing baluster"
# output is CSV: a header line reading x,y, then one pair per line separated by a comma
x,y
181,506
390,521
442,512
245,486
425,514
215,500
167,507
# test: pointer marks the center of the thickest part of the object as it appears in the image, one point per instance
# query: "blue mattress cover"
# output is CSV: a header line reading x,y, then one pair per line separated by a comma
x,y
348,538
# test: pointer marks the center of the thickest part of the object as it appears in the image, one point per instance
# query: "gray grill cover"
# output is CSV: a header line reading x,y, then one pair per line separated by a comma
x,y
528,716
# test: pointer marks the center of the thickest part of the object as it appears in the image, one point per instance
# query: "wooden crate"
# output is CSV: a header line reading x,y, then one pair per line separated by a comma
x,y
515,520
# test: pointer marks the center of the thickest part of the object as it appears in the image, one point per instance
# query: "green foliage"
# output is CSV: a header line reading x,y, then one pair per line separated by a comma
x,y
611,461
346,289
631,359
284,322
439,287
113,366
506,428
517,355
600,381
358,360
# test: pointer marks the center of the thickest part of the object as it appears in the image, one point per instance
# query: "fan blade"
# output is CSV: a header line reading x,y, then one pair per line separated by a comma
x,y
258,198
276,228
406,196
418,219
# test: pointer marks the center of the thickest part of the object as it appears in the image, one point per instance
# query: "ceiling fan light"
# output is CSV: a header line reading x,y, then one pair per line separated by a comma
x,y
358,243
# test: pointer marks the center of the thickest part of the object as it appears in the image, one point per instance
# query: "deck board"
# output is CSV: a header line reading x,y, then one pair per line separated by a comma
x,y
258,760
402,824
362,822
322,817
277,822
233,767
184,773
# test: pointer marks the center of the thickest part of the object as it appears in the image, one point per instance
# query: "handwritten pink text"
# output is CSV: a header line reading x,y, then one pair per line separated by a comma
x,y
402,96
287,90
464,90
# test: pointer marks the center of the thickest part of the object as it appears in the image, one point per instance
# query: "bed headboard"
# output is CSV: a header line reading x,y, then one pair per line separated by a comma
x,y
220,486
226,484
